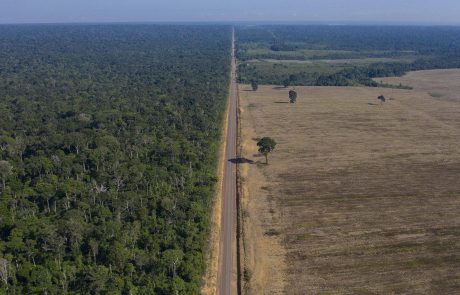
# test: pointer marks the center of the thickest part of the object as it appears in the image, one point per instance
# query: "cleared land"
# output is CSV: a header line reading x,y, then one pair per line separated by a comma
x,y
355,61
359,198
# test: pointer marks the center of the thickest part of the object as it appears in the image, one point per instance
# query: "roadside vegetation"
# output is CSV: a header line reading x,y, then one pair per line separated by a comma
x,y
342,55
108,141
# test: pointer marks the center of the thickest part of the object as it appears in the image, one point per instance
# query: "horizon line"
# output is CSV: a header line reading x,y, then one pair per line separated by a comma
x,y
249,22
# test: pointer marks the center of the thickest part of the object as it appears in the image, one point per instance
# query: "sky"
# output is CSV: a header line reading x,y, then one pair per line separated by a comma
x,y
329,11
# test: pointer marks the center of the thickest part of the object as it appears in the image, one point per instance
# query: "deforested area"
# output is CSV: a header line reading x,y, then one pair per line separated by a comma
x,y
108,142
360,195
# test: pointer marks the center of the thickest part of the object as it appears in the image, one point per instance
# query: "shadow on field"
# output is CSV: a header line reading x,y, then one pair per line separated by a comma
x,y
279,87
241,161
281,102
248,90
372,104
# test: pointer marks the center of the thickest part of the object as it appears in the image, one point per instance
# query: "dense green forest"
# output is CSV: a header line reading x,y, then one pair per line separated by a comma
x,y
267,53
108,139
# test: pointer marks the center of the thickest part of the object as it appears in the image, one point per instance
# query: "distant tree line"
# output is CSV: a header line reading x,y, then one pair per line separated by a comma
x,y
358,75
432,48
421,39
365,75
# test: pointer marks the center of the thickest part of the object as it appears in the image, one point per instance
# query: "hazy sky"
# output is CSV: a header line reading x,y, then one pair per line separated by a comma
x,y
419,11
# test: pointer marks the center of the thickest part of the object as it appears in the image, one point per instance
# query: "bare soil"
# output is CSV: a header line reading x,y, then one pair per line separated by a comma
x,y
209,281
359,197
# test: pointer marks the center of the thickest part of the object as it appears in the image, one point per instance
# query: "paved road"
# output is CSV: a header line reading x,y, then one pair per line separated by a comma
x,y
227,256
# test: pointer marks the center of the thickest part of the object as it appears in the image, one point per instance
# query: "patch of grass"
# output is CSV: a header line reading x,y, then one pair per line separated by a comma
x,y
247,275
436,94
244,213
250,51
272,232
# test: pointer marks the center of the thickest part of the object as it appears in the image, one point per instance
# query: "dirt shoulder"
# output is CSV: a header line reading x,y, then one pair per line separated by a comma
x,y
212,259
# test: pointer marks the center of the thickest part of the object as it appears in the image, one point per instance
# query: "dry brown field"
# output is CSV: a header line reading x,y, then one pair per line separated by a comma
x,y
359,197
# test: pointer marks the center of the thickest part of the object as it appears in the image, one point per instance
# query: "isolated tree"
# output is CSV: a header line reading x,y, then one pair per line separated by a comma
x,y
292,79
292,96
381,98
5,171
254,85
286,83
266,145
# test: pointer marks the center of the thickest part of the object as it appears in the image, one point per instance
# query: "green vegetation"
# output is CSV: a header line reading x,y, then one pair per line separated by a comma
x,y
254,85
108,140
266,145
285,73
292,96
342,55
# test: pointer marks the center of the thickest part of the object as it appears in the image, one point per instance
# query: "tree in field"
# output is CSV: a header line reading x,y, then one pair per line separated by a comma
x,y
266,145
5,171
286,83
382,99
254,85
292,96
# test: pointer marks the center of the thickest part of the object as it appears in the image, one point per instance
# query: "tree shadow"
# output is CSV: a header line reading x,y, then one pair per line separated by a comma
x,y
248,90
372,104
281,102
241,161
279,87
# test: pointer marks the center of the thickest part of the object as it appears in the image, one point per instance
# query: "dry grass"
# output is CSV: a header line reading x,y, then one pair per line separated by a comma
x,y
363,198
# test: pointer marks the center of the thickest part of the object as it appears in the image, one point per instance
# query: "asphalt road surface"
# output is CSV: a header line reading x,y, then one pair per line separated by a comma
x,y
227,256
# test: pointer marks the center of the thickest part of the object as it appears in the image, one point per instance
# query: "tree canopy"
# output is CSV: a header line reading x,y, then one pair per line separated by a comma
x,y
108,140
254,85
292,96
395,49
266,145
